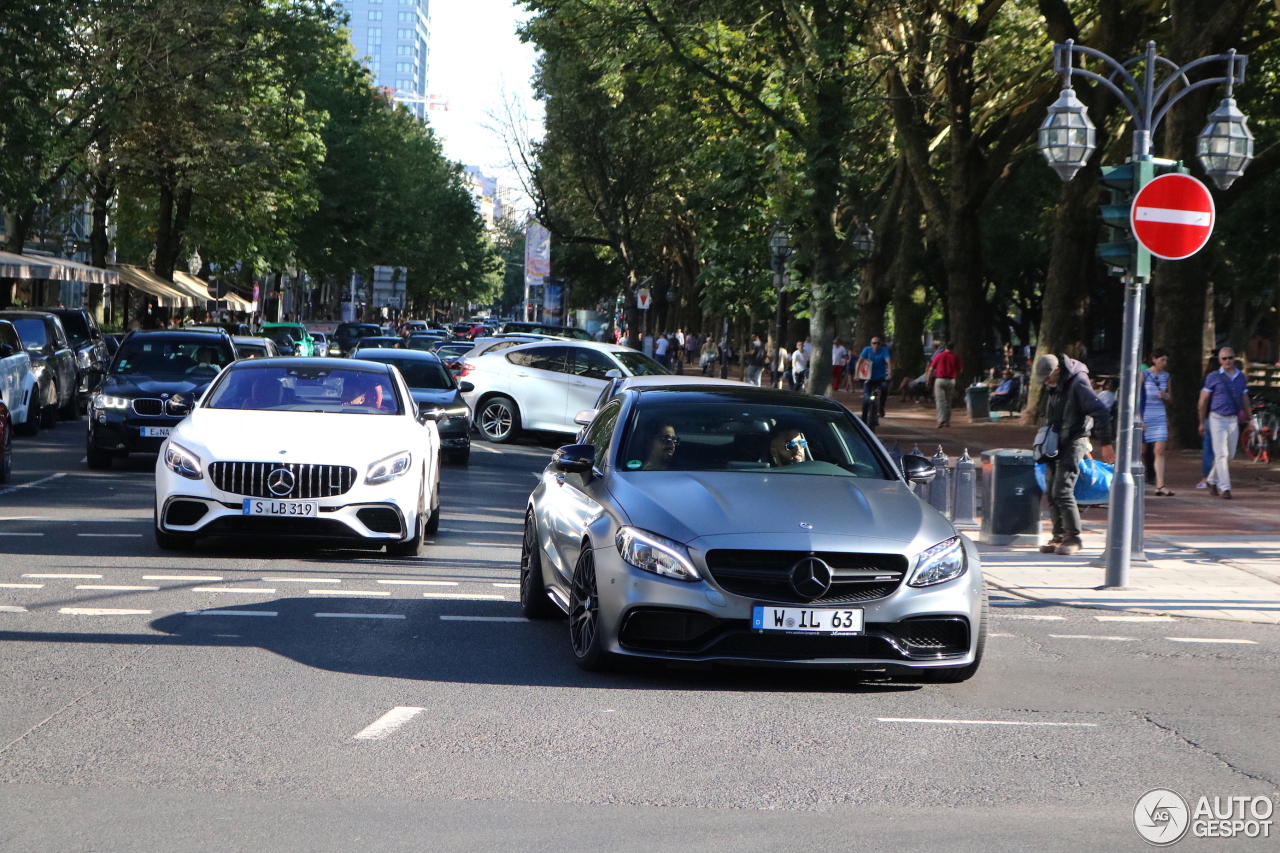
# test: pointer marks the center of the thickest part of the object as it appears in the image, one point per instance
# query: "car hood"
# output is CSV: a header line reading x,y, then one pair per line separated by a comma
x,y
132,385
778,511
235,435
445,397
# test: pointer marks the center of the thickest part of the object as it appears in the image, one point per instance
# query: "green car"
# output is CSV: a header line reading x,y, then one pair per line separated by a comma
x,y
303,344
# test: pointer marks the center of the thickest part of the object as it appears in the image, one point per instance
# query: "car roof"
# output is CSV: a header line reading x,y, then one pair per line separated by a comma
x,y
383,355
368,338
29,313
188,333
683,382
693,394
292,361
253,340
286,325
569,342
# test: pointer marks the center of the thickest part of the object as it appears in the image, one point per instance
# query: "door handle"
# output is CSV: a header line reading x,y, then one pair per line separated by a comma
x,y
580,384
522,375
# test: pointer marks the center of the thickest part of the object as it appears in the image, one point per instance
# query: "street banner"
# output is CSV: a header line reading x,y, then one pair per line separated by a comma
x,y
537,254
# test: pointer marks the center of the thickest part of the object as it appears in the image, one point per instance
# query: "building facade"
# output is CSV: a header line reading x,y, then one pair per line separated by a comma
x,y
391,37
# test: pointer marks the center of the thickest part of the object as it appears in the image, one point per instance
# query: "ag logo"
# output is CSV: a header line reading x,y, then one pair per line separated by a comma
x,y
280,482
1161,817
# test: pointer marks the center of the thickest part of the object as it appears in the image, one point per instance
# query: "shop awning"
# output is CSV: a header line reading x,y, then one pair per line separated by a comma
x,y
166,295
196,288
52,269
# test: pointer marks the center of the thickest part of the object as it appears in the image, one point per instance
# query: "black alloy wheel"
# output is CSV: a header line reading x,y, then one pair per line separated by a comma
x,y
412,547
533,586
499,420
584,615
433,519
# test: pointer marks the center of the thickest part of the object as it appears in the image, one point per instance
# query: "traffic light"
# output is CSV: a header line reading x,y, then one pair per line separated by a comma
x,y
1121,252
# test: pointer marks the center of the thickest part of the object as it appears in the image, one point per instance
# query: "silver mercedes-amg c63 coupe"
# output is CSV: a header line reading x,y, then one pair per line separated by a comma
x,y
748,526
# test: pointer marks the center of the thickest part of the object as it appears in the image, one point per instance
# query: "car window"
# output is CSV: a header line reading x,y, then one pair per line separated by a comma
x,y
9,336
734,435
251,350
76,327
169,357
600,433
33,332
305,389
591,363
639,364
59,335
420,374
540,358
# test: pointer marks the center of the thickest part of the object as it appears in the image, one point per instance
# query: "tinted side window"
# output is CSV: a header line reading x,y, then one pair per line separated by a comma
x,y
591,363
58,336
9,337
541,358
600,433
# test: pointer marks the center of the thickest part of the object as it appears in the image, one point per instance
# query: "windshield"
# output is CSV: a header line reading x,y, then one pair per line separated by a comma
x,y
76,328
169,358
305,389
282,331
639,364
251,350
729,435
423,375
32,332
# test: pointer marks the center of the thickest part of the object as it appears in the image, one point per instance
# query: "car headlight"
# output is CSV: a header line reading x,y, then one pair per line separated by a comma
x,y
388,469
457,412
182,462
943,562
106,401
82,360
654,553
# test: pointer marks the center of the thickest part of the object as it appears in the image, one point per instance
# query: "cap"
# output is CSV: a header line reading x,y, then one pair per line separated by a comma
x,y
1045,365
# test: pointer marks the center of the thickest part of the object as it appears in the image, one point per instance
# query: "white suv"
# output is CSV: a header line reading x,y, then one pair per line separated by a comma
x,y
543,386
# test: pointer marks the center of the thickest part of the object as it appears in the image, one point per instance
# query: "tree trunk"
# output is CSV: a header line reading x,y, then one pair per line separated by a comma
x,y
164,232
909,312
102,188
19,226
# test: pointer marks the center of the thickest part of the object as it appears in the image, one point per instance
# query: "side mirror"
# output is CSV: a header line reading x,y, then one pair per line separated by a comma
x,y
466,387
917,469
613,373
585,417
6,350
574,459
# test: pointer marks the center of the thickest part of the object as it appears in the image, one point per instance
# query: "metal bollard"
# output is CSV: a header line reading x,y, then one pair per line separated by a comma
x,y
915,451
895,453
964,492
940,488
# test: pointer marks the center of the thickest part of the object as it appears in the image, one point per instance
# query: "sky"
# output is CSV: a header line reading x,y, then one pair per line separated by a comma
x,y
476,60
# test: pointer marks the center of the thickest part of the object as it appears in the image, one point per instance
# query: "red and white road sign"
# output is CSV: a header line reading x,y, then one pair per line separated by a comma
x,y
643,298
1172,216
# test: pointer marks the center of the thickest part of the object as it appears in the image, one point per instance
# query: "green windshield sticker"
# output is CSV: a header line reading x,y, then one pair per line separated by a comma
x,y
634,463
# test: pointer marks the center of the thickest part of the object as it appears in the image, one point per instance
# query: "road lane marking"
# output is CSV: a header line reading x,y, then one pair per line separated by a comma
x,y
508,585
1210,640
21,534
1087,637
229,589
181,578
346,592
360,616
112,535
12,608
119,588
39,482
422,583
301,580
388,723
505,545
76,577
1036,616
232,613
1134,618
1002,635
486,449
102,611
21,586
460,596
979,722
483,619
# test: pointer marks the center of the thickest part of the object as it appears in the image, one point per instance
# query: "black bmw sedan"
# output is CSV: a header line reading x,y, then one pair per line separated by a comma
x,y
434,390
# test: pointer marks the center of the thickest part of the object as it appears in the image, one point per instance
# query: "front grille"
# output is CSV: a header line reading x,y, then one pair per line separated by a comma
x,y
768,645
258,525
379,519
183,513
766,575
309,481
939,636
148,407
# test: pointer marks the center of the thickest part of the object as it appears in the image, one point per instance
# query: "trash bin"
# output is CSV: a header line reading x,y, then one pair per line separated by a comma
x,y
1010,498
978,400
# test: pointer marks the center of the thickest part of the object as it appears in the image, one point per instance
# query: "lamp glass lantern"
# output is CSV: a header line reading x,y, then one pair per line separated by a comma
x,y
863,241
780,242
194,262
1068,137
1225,146
68,243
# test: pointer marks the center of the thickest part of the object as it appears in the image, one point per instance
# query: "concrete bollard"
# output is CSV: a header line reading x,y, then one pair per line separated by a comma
x,y
964,492
940,488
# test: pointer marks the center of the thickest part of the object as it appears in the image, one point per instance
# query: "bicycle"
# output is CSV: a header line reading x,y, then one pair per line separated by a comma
x,y
1262,431
871,407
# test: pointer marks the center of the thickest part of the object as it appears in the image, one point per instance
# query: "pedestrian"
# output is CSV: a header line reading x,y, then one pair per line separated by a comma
x,y
799,365
808,348
1069,403
781,361
943,371
1153,398
660,347
756,360
1206,443
1224,405
875,363
839,356
691,345
708,357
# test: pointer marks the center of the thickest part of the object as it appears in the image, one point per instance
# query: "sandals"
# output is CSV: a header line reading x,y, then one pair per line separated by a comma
x,y
1165,493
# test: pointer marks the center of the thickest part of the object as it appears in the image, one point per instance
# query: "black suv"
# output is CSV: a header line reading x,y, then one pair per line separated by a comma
x,y
349,334
153,381
90,346
52,360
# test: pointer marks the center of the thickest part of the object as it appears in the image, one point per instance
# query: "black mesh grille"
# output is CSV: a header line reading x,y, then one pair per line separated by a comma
x,y
380,519
309,481
656,629
149,407
252,525
182,513
943,636
770,645
766,575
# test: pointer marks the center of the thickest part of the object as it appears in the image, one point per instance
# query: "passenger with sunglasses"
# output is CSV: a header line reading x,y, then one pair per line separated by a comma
x,y
662,447
788,447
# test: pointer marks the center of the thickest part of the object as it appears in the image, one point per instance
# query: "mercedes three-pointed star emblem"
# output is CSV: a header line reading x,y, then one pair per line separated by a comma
x,y
811,578
280,482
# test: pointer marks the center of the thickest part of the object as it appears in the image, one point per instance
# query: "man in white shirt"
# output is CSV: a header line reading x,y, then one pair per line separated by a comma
x,y
660,350
799,364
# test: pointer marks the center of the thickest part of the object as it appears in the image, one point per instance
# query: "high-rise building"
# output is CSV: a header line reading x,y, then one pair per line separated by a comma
x,y
390,36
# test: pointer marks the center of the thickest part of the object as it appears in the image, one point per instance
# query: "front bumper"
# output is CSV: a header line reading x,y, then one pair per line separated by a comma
x,y
122,432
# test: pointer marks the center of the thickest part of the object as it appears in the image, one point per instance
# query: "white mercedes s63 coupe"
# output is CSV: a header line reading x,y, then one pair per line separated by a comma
x,y
325,450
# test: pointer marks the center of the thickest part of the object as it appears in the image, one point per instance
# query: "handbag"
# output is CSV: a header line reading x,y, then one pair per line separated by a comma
x,y
1046,444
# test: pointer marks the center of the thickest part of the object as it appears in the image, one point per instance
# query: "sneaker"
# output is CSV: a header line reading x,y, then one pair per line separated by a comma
x,y
1066,549
1202,485
1213,490
1050,547
1226,493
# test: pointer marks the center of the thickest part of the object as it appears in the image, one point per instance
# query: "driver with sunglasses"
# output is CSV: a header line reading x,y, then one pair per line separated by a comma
x,y
788,447
661,448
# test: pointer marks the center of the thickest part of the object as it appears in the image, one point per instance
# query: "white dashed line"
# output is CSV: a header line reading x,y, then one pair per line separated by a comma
x,y
1035,616
1086,637
207,578
39,482
112,535
102,611
232,613
483,619
503,545
459,596
21,534
1134,618
360,616
118,588
75,577
421,583
1210,640
388,723
12,608
230,589
1001,635
301,580
346,592
507,585
979,722
21,586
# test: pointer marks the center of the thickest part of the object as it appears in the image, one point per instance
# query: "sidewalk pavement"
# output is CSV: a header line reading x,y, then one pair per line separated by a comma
x,y
1208,558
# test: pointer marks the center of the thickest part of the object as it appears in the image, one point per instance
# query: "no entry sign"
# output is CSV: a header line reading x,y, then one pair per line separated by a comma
x,y
1172,216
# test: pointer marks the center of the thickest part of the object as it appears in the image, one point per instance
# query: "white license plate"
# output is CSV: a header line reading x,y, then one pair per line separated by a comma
x,y
292,509
156,432
825,620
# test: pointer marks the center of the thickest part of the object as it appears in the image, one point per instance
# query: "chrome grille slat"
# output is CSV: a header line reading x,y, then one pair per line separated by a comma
x,y
311,482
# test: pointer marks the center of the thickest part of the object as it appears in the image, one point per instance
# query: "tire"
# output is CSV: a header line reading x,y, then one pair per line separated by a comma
x,y
584,616
433,520
955,675
533,585
6,455
459,457
97,459
413,547
30,426
71,411
499,420
172,541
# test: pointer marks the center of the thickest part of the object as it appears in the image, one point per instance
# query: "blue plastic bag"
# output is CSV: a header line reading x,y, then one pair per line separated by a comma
x,y
1093,487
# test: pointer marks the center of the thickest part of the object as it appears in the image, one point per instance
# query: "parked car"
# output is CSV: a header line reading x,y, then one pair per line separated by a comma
x,y
53,361
451,355
255,347
749,526
360,465
19,388
377,342
152,383
434,390
322,344
302,346
347,334
546,329
542,386
92,355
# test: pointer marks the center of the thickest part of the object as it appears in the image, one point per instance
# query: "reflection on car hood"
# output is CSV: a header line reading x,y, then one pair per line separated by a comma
x,y
445,397
137,385
773,507
235,435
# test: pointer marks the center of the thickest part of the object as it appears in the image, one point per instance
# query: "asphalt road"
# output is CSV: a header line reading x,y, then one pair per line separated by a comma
x,y
351,701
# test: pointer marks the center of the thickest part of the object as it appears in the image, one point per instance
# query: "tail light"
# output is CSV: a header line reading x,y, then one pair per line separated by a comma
x,y
466,367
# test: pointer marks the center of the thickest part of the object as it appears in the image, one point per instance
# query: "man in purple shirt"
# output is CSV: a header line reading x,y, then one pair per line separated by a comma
x,y
1224,401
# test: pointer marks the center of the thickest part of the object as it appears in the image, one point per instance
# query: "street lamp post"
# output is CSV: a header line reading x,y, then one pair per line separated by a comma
x,y
1067,140
780,250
